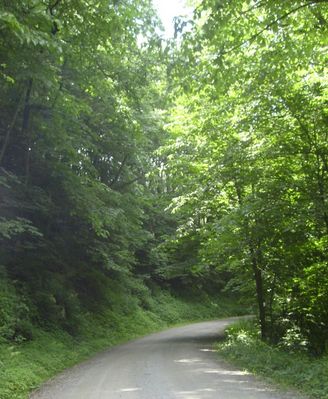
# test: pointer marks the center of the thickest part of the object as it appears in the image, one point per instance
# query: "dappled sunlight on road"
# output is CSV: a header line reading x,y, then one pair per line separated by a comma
x,y
189,361
223,372
196,394
207,350
228,383
175,364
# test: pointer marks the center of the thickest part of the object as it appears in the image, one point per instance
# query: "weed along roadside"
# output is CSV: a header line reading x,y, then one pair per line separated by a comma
x,y
26,365
289,367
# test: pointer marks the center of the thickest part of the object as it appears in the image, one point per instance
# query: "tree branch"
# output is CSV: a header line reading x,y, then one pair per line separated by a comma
x,y
53,6
269,25
128,183
254,7
118,174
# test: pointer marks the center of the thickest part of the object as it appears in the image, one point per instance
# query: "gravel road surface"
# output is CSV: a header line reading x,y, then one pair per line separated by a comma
x,y
175,364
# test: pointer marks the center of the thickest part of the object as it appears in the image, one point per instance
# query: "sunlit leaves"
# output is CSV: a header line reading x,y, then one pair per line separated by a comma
x,y
255,100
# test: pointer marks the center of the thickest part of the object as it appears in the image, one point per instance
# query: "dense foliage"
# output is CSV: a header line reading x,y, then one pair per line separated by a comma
x,y
79,122
284,364
128,163
249,153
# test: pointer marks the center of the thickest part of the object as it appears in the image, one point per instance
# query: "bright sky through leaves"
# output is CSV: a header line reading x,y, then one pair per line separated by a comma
x,y
167,10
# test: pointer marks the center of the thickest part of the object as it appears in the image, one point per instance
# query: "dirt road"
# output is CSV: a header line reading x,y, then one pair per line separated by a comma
x,y
175,364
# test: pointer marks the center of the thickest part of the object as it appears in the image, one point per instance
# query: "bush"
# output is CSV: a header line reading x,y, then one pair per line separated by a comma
x,y
293,368
14,312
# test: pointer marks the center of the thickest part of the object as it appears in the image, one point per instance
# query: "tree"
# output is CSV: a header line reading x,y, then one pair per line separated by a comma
x,y
79,123
250,130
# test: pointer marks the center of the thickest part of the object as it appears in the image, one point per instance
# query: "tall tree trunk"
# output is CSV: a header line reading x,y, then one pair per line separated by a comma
x,y
260,296
256,260
11,127
320,175
269,308
25,128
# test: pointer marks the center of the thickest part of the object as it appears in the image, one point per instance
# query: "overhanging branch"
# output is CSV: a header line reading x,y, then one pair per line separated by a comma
x,y
272,23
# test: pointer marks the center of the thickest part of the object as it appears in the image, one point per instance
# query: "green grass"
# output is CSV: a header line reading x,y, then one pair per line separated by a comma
x,y
294,370
24,366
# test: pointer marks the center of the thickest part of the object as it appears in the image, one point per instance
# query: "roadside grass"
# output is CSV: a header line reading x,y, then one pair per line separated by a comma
x,y
295,370
25,366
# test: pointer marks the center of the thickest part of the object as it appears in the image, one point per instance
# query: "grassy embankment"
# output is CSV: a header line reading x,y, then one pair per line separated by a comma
x,y
24,366
289,369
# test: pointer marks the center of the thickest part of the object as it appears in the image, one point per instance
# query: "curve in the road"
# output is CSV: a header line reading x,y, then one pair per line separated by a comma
x,y
175,364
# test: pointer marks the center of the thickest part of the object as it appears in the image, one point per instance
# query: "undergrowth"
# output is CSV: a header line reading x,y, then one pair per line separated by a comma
x,y
293,369
25,365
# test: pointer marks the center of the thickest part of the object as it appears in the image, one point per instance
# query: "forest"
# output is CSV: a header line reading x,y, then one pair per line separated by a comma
x,y
159,180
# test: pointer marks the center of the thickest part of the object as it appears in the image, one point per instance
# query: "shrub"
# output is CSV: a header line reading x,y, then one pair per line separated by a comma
x,y
288,366
14,312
